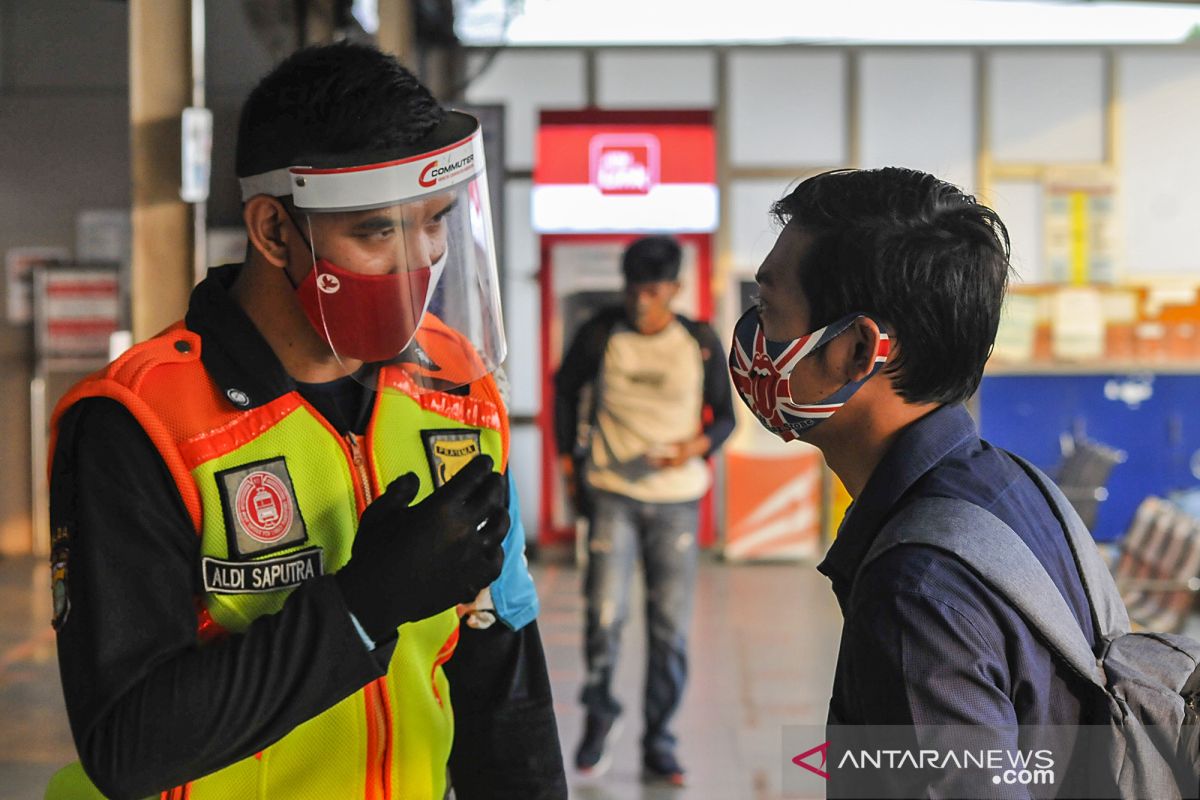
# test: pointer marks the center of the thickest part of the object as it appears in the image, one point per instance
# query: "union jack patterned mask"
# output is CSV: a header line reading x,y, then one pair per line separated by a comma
x,y
760,369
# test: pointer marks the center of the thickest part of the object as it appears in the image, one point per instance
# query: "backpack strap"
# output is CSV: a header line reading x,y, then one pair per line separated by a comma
x,y
1108,609
580,368
985,543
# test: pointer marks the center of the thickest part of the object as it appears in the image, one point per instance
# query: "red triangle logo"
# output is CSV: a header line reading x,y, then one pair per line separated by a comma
x,y
823,749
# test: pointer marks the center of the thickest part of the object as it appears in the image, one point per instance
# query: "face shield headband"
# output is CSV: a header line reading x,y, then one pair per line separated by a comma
x,y
377,184
761,370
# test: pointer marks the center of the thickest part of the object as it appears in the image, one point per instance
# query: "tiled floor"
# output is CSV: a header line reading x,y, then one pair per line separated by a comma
x,y
764,641
763,645
34,739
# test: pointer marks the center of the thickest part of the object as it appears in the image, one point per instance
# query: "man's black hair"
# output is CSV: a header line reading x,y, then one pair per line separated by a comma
x,y
651,259
332,100
925,258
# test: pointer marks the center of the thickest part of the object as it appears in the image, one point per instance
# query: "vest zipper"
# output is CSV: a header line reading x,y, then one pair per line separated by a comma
x,y
360,466
379,728
379,743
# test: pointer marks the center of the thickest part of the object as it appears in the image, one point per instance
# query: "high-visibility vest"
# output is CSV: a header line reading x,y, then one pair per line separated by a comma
x,y
275,494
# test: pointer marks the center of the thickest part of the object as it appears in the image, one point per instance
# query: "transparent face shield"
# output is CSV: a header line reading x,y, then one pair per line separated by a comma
x,y
404,267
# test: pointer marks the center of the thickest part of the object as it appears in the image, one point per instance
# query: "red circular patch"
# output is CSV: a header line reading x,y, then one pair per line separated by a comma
x,y
264,507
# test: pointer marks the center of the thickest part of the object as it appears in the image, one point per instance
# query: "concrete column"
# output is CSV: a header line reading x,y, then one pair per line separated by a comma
x,y
396,31
160,87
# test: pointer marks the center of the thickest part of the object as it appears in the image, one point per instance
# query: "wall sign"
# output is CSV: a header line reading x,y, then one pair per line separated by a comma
x,y
607,172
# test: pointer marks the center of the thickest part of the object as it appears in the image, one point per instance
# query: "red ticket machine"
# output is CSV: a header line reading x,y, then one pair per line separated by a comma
x,y
603,179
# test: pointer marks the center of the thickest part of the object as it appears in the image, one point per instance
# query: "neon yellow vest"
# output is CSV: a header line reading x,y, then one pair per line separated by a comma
x,y
275,494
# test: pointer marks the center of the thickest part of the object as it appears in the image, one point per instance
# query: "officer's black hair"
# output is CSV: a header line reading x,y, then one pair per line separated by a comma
x,y
927,259
331,100
651,259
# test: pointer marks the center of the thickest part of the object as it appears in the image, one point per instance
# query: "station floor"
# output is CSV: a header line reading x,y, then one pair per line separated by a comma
x,y
764,641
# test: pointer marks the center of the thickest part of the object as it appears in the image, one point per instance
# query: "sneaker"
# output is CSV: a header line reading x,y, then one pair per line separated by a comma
x,y
661,768
594,756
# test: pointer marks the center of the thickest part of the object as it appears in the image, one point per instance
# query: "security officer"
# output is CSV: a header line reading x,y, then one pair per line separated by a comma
x,y
269,519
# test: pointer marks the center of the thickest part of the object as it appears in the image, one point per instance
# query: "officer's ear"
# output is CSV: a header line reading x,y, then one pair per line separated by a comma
x,y
267,228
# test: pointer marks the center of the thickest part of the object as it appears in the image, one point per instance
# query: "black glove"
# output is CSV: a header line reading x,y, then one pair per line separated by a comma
x,y
411,562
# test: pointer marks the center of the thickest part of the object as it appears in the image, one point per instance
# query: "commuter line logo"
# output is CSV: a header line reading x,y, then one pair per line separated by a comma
x,y
261,514
263,507
433,172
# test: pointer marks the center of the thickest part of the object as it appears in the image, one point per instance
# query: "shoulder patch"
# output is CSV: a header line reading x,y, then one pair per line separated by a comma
x,y
448,451
261,513
59,553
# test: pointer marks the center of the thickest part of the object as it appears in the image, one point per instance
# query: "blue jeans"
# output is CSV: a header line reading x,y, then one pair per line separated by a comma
x,y
664,534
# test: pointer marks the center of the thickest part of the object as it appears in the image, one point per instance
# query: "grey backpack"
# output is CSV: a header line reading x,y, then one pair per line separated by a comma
x,y
1148,683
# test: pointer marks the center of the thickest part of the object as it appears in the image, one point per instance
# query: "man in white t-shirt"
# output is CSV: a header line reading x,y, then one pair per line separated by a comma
x,y
660,406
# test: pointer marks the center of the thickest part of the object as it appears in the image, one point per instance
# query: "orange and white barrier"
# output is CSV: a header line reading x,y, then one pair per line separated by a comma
x,y
773,505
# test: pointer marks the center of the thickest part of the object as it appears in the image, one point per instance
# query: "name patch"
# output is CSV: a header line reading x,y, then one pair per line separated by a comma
x,y
450,451
266,575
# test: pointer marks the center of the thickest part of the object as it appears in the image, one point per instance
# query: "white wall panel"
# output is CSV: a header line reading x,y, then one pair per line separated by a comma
x,y
1160,160
639,79
787,107
527,82
1019,204
525,469
520,241
522,321
752,228
918,110
522,308
1046,107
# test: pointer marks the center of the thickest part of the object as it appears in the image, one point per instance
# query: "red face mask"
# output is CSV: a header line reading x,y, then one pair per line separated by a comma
x,y
364,317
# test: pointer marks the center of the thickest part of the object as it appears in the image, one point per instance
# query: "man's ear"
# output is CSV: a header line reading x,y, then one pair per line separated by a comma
x,y
863,338
266,228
